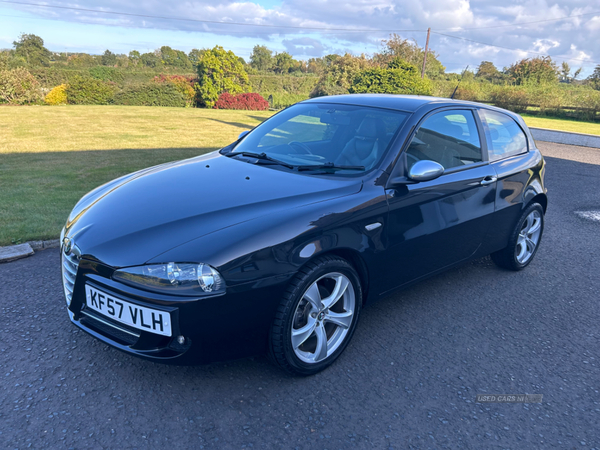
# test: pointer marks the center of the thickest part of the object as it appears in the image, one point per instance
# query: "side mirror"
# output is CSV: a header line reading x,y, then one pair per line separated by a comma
x,y
425,170
242,134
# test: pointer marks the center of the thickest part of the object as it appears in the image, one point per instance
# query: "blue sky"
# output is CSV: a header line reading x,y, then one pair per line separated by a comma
x,y
475,22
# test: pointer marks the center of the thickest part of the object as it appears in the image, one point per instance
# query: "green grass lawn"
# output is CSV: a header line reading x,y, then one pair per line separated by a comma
x,y
51,156
562,124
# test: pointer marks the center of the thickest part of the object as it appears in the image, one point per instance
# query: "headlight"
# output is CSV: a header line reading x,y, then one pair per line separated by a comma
x,y
175,278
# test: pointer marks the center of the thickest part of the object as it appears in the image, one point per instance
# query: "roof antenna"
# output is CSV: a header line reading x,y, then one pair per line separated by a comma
x,y
461,77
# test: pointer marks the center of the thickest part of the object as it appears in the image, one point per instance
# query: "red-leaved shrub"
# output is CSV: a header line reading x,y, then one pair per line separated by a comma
x,y
249,102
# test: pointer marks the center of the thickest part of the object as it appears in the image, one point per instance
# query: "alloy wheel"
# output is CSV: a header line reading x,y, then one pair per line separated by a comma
x,y
323,317
529,237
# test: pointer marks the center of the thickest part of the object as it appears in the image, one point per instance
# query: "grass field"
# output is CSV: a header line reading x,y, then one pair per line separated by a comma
x,y
562,124
51,156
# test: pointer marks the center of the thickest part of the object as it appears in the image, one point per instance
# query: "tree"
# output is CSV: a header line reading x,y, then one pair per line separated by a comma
x,y
410,52
538,70
488,71
31,48
194,56
339,75
109,58
285,63
81,60
134,57
150,60
220,71
565,72
399,78
318,65
261,58
594,79
174,58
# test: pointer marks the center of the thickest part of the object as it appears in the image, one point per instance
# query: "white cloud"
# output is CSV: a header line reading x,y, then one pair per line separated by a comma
x,y
477,20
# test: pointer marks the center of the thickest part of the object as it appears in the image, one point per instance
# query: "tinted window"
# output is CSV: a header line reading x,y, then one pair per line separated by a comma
x,y
505,138
316,134
449,138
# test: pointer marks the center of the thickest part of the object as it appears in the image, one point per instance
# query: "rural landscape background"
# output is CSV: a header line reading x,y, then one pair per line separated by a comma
x,y
73,121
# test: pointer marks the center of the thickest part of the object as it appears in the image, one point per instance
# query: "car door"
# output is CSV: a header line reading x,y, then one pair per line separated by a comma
x,y
437,223
509,156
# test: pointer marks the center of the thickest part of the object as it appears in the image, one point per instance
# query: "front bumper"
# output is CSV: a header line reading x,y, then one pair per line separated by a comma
x,y
215,328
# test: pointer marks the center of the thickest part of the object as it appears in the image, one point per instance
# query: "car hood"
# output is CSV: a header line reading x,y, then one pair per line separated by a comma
x,y
137,217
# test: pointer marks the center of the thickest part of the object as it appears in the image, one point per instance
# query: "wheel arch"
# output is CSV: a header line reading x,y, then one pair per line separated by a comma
x,y
542,199
354,258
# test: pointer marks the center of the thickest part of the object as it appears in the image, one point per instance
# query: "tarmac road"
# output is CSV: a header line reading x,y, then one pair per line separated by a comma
x,y
409,379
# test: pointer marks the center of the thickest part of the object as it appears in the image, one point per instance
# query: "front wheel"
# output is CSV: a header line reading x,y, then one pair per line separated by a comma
x,y
316,317
524,240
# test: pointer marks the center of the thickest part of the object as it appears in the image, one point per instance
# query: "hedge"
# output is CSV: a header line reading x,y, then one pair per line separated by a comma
x,y
89,91
107,74
390,81
151,94
279,84
50,77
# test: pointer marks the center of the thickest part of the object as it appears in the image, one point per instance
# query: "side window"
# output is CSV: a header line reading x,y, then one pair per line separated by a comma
x,y
505,138
449,138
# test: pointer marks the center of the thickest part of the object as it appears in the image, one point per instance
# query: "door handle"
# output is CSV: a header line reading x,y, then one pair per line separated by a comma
x,y
488,180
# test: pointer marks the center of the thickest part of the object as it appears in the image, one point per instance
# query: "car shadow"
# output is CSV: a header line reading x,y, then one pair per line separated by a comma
x,y
235,124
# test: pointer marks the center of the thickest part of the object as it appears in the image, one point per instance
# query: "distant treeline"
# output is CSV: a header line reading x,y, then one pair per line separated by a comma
x,y
171,77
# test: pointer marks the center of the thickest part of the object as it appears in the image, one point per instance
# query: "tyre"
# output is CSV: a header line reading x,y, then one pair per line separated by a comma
x,y
316,317
524,240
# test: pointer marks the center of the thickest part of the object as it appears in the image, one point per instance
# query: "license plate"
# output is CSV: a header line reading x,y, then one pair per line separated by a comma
x,y
140,317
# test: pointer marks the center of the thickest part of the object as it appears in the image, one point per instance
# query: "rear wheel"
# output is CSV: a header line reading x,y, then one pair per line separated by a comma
x,y
524,240
317,316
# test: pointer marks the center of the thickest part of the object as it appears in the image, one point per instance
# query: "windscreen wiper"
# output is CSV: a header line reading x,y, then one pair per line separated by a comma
x,y
328,166
261,157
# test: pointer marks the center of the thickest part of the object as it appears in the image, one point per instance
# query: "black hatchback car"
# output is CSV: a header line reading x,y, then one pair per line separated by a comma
x,y
275,243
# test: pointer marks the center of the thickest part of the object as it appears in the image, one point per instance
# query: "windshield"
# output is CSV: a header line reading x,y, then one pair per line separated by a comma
x,y
347,138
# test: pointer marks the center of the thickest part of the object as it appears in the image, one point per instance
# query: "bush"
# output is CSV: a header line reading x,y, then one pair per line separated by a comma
x,y
249,102
151,94
404,80
57,96
89,91
19,87
184,84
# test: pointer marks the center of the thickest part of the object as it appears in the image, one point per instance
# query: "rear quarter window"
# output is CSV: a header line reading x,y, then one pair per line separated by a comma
x,y
504,136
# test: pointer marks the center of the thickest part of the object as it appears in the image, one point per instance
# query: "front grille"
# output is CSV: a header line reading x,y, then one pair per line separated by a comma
x,y
70,263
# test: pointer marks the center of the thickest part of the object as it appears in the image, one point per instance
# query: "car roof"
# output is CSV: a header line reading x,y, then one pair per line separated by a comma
x,y
408,103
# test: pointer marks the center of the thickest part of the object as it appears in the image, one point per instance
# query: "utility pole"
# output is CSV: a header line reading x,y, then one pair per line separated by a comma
x,y
425,55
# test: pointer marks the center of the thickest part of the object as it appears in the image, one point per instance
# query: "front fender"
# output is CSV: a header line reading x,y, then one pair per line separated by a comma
x,y
277,245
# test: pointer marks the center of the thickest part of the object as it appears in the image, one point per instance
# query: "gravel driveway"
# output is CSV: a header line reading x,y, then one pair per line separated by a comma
x,y
408,379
